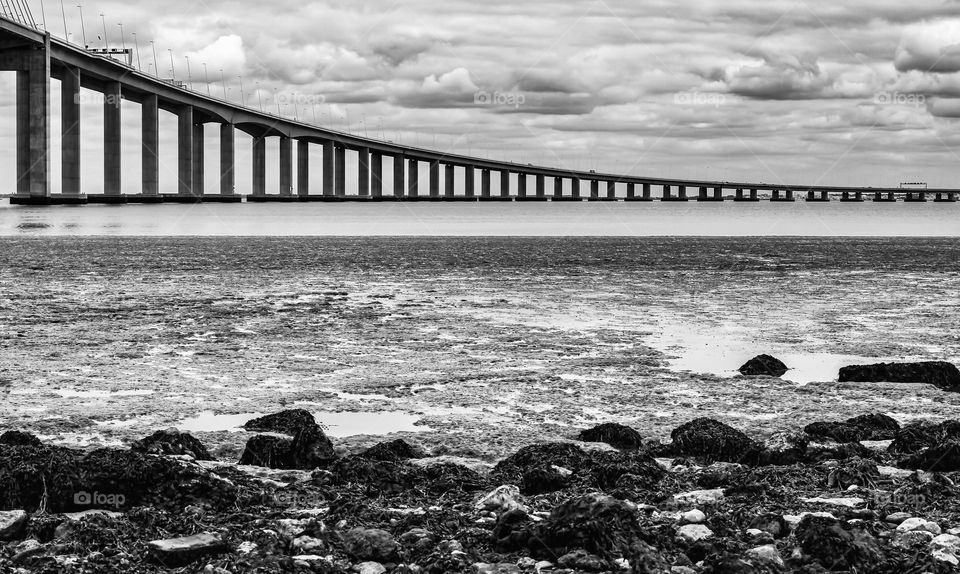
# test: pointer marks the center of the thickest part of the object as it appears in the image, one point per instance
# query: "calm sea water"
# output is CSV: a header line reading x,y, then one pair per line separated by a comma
x,y
488,219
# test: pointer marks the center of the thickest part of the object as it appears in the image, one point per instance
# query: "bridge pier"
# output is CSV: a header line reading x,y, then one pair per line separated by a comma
x,y
329,169
557,188
70,132
575,184
376,175
303,169
259,167
611,190
949,197
150,147
505,184
228,161
919,197
718,194
666,193
399,176
185,151
363,172
413,180
433,179
286,167
33,125
594,190
198,157
521,186
449,180
485,183
469,181
340,170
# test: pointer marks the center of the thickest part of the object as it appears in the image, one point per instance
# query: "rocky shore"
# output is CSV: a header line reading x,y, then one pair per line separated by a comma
x,y
858,495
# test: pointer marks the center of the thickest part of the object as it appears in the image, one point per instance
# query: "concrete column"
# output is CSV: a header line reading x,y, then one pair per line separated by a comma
x,y
682,191
646,191
469,181
541,186
557,187
341,170
185,151
434,178
363,172
376,174
810,196
23,132
150,146
776,194
329,171
611,189
399,176
303,168
718,193
753,195
449,180
739,195
790,196
521,185
631,190
112,166
504,183
33,123
70,132
286,166
198,171
259,166
228,162
413,179
594,189
667,193
575,187
485,183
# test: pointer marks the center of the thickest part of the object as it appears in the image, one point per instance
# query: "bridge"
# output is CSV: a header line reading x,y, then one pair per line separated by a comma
x,y
37,58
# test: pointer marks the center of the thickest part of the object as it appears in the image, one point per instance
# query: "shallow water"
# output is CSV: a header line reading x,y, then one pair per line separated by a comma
x,y
477,343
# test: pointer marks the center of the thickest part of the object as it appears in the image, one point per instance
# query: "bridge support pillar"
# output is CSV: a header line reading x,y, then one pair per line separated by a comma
x,y
341,170
150,146
557,187
399,176
376,174
185,151
469,181
667,193
611,190
776,195
790,196
647,194
485,182
198,161
329,171
303,168
575,187
434,179
363,172
703,194
259,166
228,162
521,185
286,166
541,186
504,183
718,194
449,180
70,132
753,195
413,179
631,191
682,192
594,189
111,139
33,124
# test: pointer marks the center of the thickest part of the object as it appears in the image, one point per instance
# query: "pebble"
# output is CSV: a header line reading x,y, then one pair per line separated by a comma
x,y
794,519
370,568
693,517
501,568
694,532
911,524
542,565
896,517
766,554
908,539
945,557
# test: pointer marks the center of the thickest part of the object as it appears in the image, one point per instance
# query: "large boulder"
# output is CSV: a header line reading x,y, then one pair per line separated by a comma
x,y
616,435
539,456
920,435
939,373
874,426
287,422
19,438
394,451
944,457
837,545
172,442
370,544
764,365
307,450
267,451
713,441
378,476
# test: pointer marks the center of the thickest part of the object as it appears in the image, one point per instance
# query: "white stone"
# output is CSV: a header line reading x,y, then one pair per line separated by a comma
x,y
894,472
919,524
542,565
693,517
794,519
370,568
694,532
908,539
564,472
945,557
946,542
766,554
503,499
699,497
246,547
851,502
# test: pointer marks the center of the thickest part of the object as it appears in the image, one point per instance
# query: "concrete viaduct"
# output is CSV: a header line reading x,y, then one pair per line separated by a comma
x,y
37,57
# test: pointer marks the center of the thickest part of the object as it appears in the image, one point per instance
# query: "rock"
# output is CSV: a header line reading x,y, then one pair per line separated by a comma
x,y
693,517
418,538
943,457
542,565
850,502
581,560
836,545
267,451
26,550
699,497
920,435
504,499
793,520
13,524
694,533
912,524
19,438
370,568
713,441
616,435
380,477
784,448
177,552
288,422
941,374
538,456
831,450
172,442
764,365
942,556
765,555
501,568
510,533
947,542
543,481
913,539
771,523
854,472
448,477
370,544
307,545
607,468
896,517
309,449
394,451
875,426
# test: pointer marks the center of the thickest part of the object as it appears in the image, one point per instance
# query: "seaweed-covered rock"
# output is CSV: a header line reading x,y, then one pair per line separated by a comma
x,y
449,477
874,426
511,532
309,449
267,451
370,544
543,481
19,438
713,441
287,422
379,476
944,457
394,451
784,448
920,435
616,435
608,467
837,545
543,455
172,442
818,451
941,374
13,523
764,365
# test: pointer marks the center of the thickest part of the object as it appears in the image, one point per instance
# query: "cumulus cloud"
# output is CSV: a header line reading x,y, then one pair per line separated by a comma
x,y
930,47
226,53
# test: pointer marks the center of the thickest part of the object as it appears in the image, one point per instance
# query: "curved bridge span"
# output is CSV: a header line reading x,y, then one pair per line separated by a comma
x,y
37,57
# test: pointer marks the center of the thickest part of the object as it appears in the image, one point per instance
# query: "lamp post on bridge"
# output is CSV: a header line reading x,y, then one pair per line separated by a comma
x,y
83,27
136,46
173,69
106,42
156,67
189,74
206,77
223,83
243,98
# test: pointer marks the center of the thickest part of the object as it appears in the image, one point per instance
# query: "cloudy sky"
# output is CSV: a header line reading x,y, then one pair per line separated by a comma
x,y
852,92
